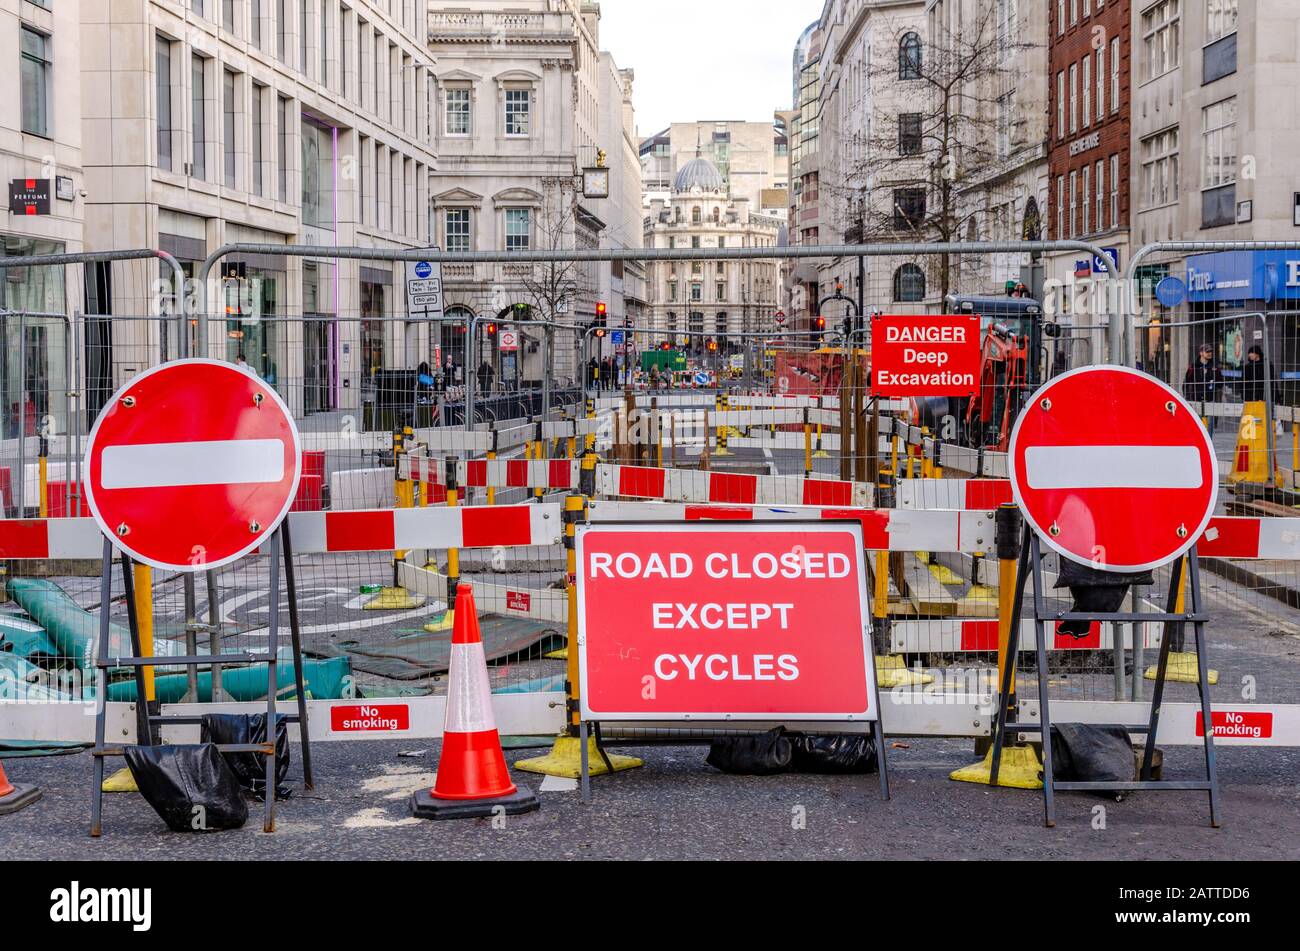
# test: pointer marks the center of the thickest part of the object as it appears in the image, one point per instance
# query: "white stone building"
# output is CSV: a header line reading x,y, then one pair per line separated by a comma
x,y
695,302
752,158
271,121
519,107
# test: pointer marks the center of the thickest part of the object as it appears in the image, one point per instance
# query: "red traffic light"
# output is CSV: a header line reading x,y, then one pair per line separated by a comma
x,y
665,345
821,323
491,330
601,310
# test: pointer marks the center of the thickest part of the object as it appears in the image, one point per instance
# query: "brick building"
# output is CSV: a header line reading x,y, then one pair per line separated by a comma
x,y
1089,57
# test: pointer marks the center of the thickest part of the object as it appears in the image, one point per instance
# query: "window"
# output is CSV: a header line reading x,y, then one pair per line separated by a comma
x,y
198,118
457,112
518,107
1060,206
456,229
255,22
1074,204
302,36
282,30
282,147
1087,198
722,243
1114,191
909,208
1114,76
696,216
518,229
1219,143
1101,197
1161,38
1060,104
1004,125
1074,12
672,290
345,50
695,243
909,133
36,67
1060,17
228,15
1074,98
259,144
1220,19
317,175
909,284
1087,92
1101,81
1160,169
909,57
697,291
323,14
722,292
162,68
229,114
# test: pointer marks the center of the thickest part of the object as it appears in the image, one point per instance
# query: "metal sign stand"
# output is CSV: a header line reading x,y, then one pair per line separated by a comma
x,y
1031,557
149,723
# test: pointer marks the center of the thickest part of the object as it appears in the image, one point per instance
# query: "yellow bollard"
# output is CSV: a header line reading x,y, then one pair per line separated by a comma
x,y
444,623
42,468
397,598
807,450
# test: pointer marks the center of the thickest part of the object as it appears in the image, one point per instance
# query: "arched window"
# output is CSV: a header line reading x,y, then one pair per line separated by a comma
x,y
909,57
717,215
909,284
696,215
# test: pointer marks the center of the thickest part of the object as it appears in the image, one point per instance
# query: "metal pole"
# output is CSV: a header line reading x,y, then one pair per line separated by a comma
x,y
22,414
1269,370
470,329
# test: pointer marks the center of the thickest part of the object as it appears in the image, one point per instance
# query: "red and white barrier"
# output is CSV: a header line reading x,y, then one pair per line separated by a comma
x,y
927,494
727,488
958,636
325,532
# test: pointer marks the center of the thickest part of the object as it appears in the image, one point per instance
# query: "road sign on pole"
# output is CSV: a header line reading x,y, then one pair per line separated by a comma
x,y
1113,469
424,290
192,465
508,340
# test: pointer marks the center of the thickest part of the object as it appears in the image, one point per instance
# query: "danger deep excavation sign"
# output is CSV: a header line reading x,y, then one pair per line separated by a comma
x,y
931,355
714,622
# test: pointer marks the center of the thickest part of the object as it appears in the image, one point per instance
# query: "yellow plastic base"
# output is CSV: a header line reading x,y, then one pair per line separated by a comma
x,y
444,623
564,760
1019,769
394,599
723,451
821,454
1183,669
561,654
891,672
121,781
943,574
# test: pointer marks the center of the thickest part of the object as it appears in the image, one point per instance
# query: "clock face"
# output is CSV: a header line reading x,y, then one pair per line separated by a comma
x,y
595,183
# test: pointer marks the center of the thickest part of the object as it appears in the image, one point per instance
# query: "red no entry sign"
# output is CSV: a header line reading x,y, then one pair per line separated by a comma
x,y
714,622
1113,469
192,465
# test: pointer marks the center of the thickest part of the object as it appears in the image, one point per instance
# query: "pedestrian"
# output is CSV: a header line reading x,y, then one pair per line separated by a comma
x,y
485,374
1255,377
593,373
1202,381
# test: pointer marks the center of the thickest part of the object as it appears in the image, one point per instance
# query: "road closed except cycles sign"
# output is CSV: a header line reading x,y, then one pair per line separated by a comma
x,y
930,355
715,622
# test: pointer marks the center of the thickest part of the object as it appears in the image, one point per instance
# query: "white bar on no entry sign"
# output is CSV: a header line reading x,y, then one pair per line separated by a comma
x,y
219,462
1113,467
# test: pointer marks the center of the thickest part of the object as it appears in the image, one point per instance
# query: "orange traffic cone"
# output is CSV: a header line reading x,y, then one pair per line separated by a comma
x,y
472,780
15,797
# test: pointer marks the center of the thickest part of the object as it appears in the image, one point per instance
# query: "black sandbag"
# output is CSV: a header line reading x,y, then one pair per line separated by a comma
x,y
761,754
190,787
1094,592
835,754
1092,754
250,768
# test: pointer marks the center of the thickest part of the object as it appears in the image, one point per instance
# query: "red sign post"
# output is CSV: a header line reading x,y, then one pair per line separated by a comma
x,y
1113,469
930,355
718,622
192,465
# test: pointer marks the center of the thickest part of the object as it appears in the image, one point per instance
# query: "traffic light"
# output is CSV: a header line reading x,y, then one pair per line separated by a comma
x,y
819,325
491,330
602,312
713,346
665,346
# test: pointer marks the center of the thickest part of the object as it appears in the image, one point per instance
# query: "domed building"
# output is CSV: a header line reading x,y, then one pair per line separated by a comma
x,y
694,303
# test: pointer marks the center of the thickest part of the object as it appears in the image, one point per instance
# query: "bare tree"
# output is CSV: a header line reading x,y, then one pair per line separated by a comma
x,y
940,128
554,286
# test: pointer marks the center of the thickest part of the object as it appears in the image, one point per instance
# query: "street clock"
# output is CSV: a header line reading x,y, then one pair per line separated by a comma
x,y
595,182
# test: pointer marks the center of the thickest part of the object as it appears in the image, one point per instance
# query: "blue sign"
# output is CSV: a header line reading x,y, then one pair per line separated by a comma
x,y
1243,276
1171,292
616,337
423,270
1099,264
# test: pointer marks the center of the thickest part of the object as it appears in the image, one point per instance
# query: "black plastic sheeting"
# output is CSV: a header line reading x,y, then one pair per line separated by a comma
x,y
1094,592
249,769
1092,754
778,751
190,787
